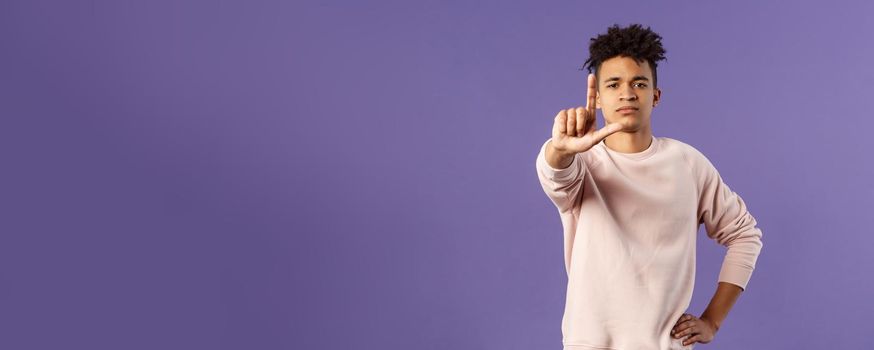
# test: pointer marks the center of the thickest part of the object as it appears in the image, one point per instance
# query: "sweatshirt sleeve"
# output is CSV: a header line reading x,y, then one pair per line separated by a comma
x,y
562,186
727,221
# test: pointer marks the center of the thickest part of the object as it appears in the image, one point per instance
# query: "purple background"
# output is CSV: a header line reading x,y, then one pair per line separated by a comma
x,y
268,175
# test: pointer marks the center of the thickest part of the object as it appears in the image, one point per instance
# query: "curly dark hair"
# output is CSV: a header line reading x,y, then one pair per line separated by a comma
x,y
633,41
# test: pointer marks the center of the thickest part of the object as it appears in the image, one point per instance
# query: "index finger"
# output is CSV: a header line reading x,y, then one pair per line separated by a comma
x,y
590,92
683,318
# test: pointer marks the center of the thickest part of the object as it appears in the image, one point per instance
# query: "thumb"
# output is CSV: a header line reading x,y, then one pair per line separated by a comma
x,y
608,130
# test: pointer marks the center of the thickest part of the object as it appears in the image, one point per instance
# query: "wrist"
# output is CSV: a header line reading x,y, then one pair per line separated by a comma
x,y
560,152
712,323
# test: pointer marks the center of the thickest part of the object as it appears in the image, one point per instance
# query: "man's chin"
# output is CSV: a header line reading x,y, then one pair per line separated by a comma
x,y
629,124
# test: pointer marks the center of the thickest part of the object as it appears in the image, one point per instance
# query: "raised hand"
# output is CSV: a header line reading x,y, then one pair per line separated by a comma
x,y
575,131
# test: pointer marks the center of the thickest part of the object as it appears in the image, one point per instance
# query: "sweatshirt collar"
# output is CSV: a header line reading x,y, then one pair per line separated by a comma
x,y
649,151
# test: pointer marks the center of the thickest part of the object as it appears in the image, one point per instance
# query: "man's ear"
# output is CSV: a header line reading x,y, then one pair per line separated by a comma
x,y
597,100
656,97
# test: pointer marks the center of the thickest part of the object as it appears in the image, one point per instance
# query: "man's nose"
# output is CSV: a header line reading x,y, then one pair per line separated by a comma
x,y
627,96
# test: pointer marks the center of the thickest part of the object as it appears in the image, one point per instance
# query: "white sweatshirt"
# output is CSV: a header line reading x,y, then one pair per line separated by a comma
x,y
630,223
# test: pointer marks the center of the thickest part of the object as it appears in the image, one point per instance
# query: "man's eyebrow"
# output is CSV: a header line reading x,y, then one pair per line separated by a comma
x,y
637,77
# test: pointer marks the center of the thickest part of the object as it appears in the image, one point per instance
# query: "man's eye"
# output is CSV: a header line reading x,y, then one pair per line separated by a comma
x,y
611,85
641,84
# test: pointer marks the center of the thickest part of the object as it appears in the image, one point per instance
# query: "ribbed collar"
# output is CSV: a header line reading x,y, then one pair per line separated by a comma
x,y
653,147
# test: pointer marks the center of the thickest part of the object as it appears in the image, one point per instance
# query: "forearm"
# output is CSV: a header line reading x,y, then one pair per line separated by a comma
x,y
723,300
557,159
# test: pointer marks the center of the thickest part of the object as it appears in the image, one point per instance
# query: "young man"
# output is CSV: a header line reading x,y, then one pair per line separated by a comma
x,y
631,204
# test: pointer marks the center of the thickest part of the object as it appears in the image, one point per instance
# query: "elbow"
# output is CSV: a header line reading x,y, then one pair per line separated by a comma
x,y
745,248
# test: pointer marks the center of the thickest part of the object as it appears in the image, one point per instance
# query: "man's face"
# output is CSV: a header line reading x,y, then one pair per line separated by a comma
x,y
624,82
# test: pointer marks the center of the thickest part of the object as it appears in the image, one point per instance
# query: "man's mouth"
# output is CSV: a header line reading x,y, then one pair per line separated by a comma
x,y
627,109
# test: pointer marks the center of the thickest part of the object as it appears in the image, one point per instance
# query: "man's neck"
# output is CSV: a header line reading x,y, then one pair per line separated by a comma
x,y
629,142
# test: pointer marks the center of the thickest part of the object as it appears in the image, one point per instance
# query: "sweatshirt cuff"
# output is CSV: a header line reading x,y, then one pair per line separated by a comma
x,y
736,275
557,174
